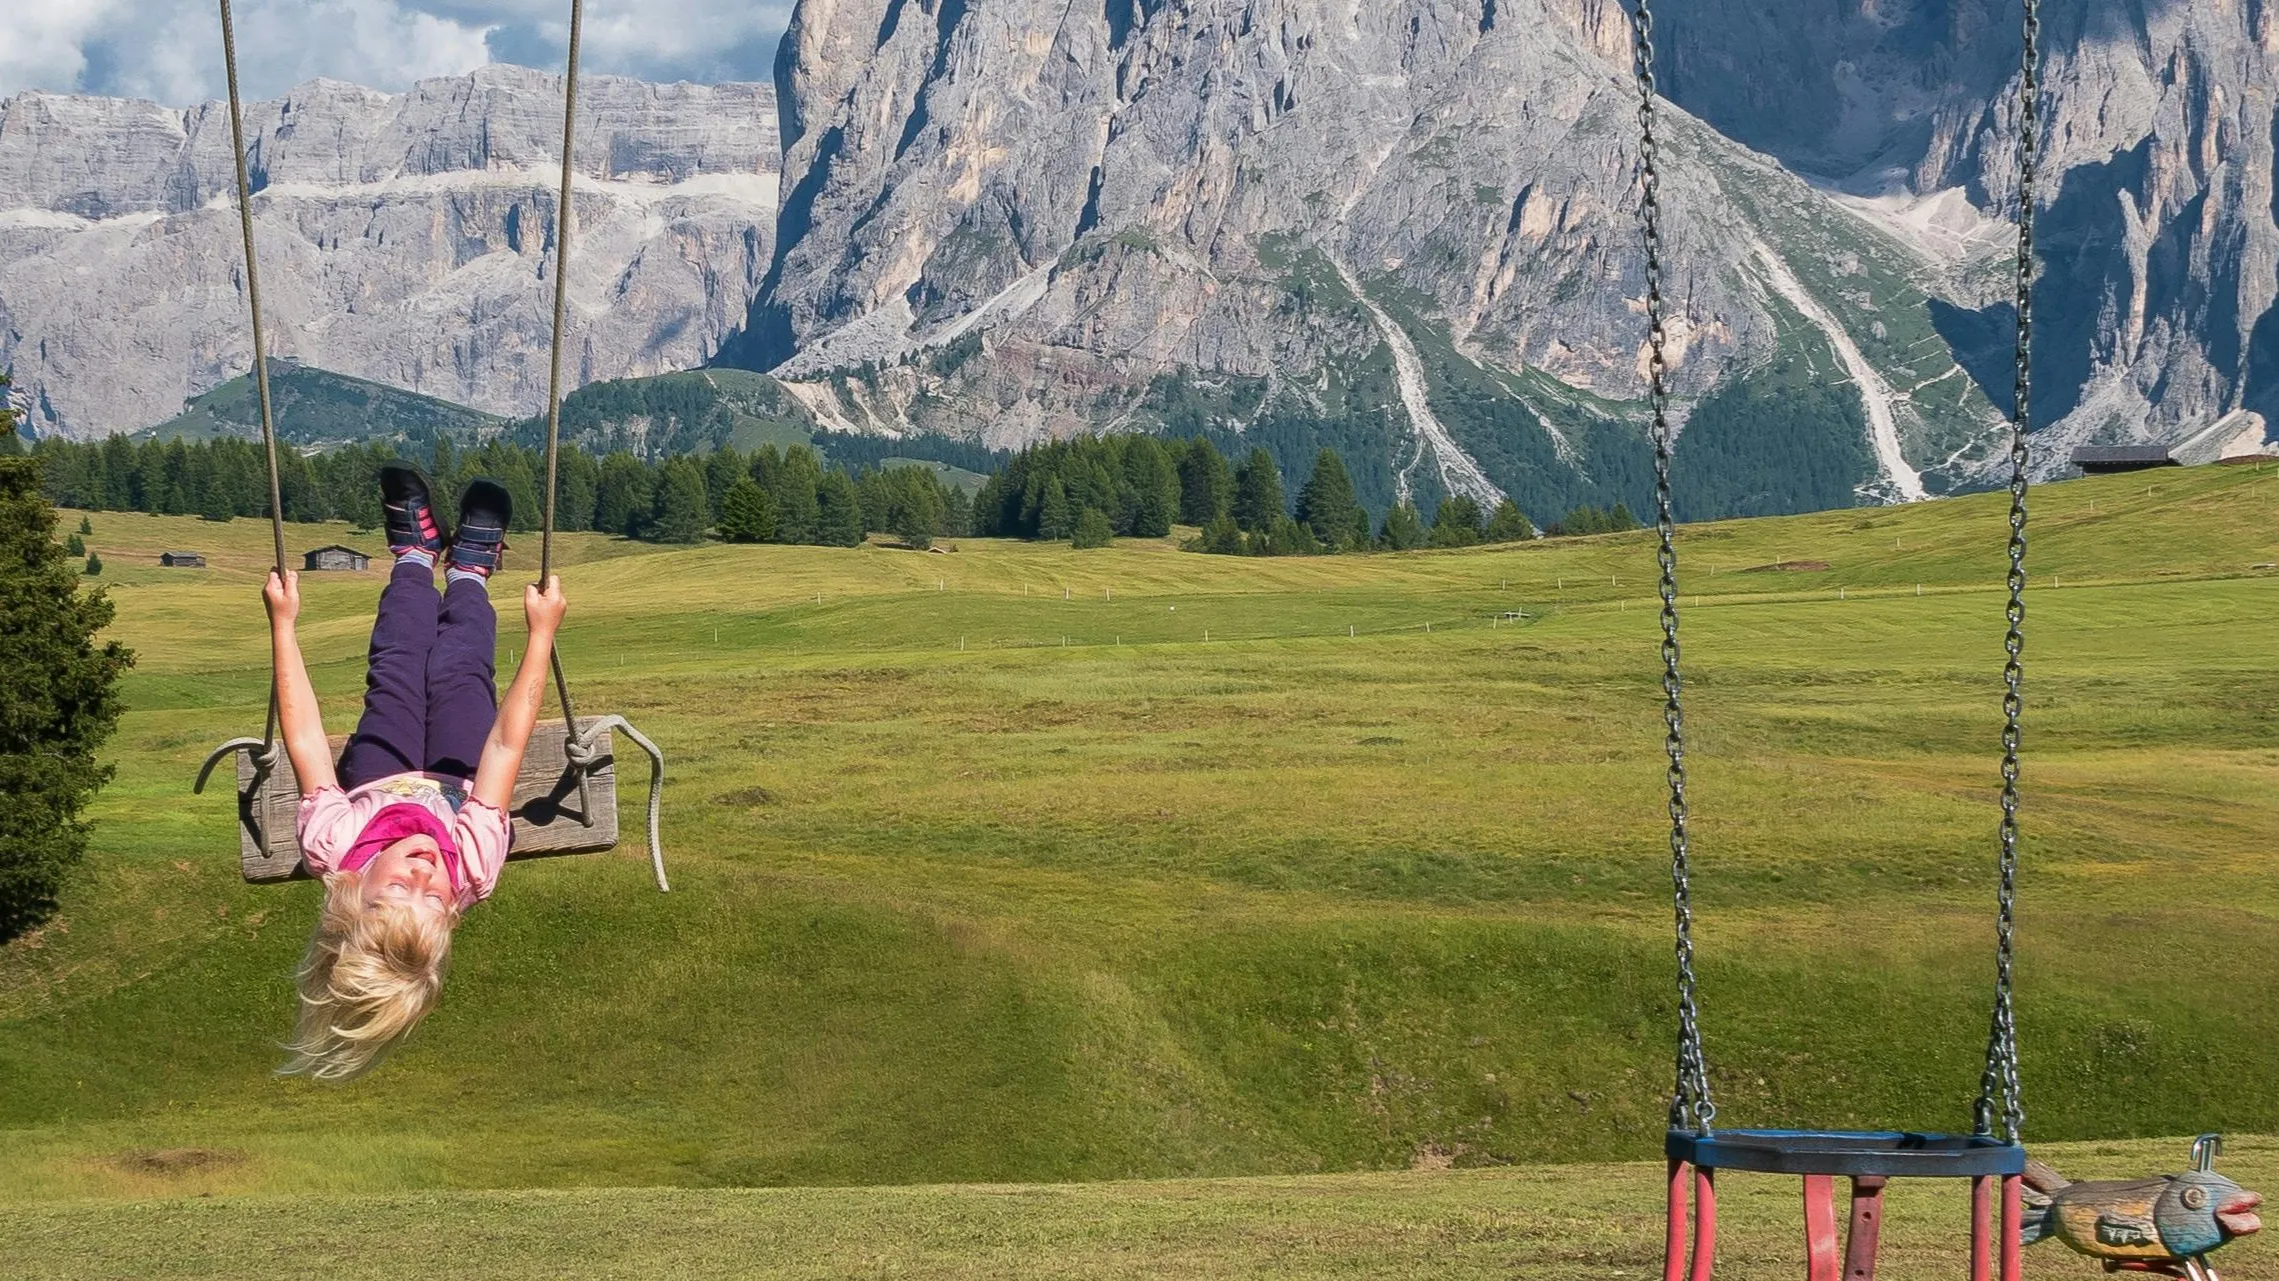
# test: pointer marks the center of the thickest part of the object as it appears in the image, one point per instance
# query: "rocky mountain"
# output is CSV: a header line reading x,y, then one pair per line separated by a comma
x,y
1406,228
404,238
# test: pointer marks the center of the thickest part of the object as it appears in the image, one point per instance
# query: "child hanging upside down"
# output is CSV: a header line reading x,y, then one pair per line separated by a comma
x,y
411,829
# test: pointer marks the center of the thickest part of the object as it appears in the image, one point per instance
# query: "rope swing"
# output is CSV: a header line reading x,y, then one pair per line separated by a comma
x,y
566,796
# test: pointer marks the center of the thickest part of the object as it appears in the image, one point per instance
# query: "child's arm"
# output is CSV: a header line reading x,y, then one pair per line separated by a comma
x,y
518,711
299,720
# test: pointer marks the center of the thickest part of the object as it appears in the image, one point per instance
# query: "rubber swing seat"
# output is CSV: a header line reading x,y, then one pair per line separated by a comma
x,y
1896,1154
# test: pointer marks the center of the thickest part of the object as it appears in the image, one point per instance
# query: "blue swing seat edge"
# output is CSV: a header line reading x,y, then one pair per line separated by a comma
x,y
1881,1153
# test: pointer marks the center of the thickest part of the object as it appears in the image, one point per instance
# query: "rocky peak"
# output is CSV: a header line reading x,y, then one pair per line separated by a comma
x,y
403,237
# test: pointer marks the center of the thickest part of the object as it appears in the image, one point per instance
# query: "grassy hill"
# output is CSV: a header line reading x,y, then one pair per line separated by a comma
x,y
314,407
989,866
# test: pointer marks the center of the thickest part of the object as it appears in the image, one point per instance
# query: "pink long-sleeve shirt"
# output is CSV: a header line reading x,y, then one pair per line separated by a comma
x,y
331,819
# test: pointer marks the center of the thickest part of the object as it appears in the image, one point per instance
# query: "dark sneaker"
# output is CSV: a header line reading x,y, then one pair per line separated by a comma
x,y
407,511
485,510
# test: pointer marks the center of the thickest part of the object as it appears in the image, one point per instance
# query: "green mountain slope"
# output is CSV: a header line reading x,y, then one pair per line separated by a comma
x,y
316,407
990,866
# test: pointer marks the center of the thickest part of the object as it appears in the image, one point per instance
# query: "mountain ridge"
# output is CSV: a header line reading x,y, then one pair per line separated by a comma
x,y
404,238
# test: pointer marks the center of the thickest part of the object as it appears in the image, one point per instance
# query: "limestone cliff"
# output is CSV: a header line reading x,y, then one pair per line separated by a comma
x,y
404,238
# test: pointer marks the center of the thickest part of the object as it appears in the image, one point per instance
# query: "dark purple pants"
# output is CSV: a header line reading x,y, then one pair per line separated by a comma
x,y
432,691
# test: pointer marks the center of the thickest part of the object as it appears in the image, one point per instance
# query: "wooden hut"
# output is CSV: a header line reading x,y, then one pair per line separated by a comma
x,y
333,556
181,560
2101,460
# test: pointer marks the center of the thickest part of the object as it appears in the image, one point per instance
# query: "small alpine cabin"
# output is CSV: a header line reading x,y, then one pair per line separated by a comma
x,y
333,556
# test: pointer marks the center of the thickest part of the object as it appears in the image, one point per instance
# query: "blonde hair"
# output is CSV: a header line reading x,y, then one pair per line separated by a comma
x,y
371,974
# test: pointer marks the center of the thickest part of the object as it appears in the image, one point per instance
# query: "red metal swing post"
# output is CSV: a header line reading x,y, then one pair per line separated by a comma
x,y
1690,1247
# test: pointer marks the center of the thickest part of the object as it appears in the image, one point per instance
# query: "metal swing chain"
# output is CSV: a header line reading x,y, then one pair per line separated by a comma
x,y
1999,1092
1690,1106
266,758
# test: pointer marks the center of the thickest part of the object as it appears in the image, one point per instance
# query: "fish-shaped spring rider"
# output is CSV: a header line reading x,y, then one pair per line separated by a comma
x,y
2165,1225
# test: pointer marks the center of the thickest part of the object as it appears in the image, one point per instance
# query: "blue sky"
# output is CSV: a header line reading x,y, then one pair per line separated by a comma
x,y
170,50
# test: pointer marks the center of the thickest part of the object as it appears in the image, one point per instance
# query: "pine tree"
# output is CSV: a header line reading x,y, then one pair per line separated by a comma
x,y
1154,481
1404,529
1221,537
680,515
1456,523
1092,530
1206,484
623,496
797,492
10,443
1509,524
1053,521
957,512
838,512
915,506
747,514
85,527
1326,504
1258,493
75,546
60,687
723,468
94,565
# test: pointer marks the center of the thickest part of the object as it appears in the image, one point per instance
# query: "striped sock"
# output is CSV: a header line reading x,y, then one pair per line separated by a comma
x,y
460,574
419,556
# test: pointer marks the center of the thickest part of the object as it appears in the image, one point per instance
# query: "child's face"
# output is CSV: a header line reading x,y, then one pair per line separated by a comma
x,y
409,872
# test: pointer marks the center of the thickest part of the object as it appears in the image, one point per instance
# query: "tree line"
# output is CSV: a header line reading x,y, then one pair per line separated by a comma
x,y
1092,488
769,495
1085,491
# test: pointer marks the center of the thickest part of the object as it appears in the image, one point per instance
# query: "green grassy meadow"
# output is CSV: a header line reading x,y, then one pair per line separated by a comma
x,y
1020,865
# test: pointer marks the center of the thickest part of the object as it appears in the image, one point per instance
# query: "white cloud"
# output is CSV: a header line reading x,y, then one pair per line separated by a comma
x,y
46,43
170,50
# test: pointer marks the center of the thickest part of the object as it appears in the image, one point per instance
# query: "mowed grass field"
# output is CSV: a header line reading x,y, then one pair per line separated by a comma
x,y
1016,865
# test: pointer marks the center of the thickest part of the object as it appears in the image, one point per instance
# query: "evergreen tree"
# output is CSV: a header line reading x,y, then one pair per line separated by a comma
x,y
623,495
74,546
1285,537
914,500
214,503
85,526
60,688
1092,530
1206,484
957,512
1509,524
722,468
577,489
797,496
1326,504
1258,493
94,565
1053,520
10,443
1404,529
1457,523
680,515
1153,480
747,514
838,511
1222,537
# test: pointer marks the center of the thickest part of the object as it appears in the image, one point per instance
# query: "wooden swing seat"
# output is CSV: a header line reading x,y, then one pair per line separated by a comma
x,y
559,808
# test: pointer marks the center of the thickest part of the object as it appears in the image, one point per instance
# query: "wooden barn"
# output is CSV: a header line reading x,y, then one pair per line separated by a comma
x,y
334,556
2102,460
181,560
